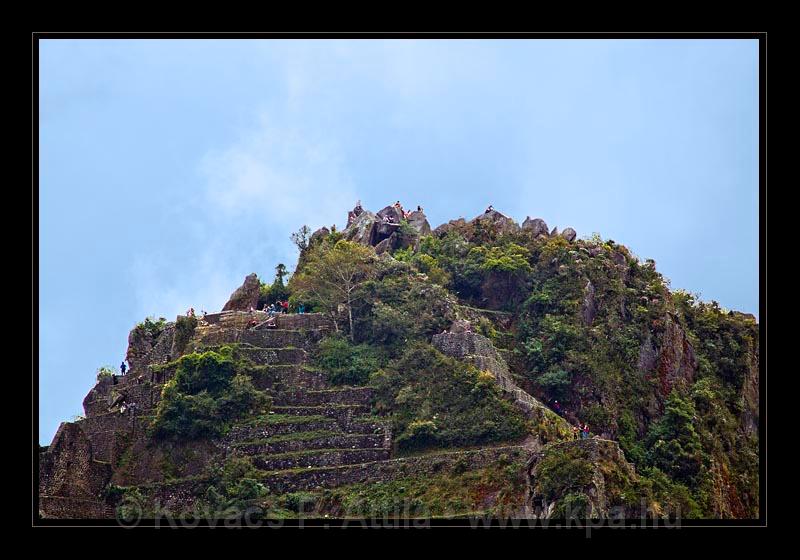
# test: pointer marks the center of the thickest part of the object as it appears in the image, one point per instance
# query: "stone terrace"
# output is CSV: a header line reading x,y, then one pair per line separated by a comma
x,y
315,435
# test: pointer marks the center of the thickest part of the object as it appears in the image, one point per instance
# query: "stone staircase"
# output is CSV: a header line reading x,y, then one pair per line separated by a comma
x,y
311,425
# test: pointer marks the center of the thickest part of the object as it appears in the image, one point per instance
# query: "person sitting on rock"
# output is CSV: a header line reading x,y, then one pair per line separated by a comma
x,y
489,209
419,208
285,306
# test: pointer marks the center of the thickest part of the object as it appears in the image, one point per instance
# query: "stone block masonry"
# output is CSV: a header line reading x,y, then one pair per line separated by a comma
x,y
316,435
71,480
180,496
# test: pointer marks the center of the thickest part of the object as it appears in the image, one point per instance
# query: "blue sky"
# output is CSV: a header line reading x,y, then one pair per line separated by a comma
x,y
171,169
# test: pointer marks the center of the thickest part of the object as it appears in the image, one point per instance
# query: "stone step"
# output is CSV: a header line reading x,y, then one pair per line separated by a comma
x,y
292,480
307,321
304,321
342,412
63,507
144,395
273,356
279,424
282,377
267,429
319,458
269,338
306,441
345,395
180,495
288,355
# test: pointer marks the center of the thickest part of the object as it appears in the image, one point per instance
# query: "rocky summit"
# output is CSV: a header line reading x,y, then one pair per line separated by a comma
x,y
478,368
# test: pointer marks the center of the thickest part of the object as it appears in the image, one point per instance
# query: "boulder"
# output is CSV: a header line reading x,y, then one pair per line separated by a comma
x,y
502,223
319,235
383,246
442,230
536,226
419,222
361,228
460,326
354,213
569,234
140,344
618,258
381,231
245,296
392,213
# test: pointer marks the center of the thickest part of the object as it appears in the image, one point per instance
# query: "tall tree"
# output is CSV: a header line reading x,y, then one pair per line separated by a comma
x,y
332,276
300,238
278,290
280,272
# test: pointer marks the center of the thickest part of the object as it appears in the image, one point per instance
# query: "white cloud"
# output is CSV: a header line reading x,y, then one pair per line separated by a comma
x,y
164,289
286,176
255,192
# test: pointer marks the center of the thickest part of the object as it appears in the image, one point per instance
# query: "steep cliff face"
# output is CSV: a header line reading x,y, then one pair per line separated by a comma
x,y
246,296
587,478
72,481
479,350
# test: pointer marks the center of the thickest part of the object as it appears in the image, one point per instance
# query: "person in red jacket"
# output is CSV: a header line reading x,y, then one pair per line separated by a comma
x,y
285,306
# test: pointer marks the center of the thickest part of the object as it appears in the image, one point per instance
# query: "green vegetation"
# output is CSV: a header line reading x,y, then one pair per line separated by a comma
x,y
104,372
563,471
437,401
496,490
207,392
297,436
346,363
132,503
690,434
234,489
671,378
184,330
331,278
152,326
